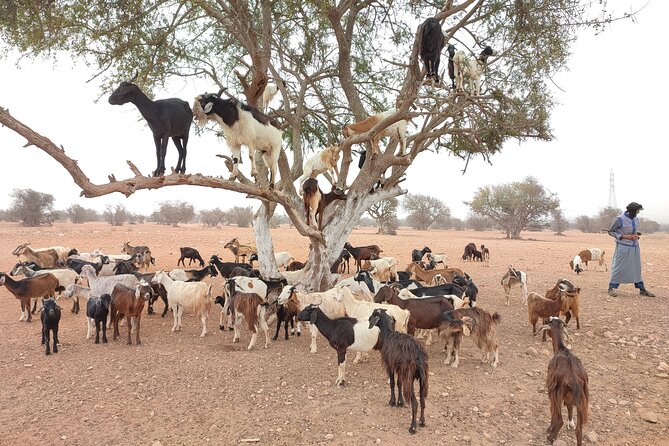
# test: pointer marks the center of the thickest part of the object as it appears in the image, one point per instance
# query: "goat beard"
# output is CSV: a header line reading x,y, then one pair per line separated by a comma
x,y
199,114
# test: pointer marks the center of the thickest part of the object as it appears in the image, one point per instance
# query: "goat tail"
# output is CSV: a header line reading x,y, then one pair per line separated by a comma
x,y
496,318
405,376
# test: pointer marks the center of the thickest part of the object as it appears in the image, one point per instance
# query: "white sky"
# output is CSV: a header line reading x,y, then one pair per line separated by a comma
x,y
612,115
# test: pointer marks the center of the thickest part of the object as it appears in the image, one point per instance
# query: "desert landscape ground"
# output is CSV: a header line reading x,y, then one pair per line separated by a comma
x,y
180,389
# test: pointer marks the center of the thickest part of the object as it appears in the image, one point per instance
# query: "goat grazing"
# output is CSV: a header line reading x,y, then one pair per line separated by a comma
x,y
515,278
481,329
129,302
405,358
396,130
470,68
426,275
167,118
566,383
343,333
189,296
325,163
191,254
142,255
417,255
589,255
29,288
50,317
242,124
360,253
315,201
240,250
430,45
97,309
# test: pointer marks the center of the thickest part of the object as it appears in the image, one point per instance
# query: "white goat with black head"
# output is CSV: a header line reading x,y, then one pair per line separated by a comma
x,y
470,68
242,124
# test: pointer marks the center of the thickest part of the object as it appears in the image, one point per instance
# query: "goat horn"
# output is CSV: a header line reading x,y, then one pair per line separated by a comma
x,y
220,92
134,77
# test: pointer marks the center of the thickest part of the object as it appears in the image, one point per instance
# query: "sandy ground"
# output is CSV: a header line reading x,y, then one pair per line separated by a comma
x,y
180,389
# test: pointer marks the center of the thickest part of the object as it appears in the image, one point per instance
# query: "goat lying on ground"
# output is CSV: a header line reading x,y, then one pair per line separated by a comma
x,y
242,124
315,201
482,329
566,383
50,316
405,358
167,118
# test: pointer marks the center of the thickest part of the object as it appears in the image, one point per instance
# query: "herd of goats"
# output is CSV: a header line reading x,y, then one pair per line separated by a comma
x,y
378,308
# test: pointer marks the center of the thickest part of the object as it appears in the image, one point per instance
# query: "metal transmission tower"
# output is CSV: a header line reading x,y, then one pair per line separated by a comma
x,y
612,193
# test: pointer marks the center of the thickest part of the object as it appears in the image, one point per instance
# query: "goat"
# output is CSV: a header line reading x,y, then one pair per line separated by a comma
x,y
464,288
249,307
283,258
343,333
360,253
566,383
226,268
125,267
384,269
244,272
451,65
292,277
295,266
363,285
240,250
268,94
77,264
324,162
470,249
77,292
405,357
426,276
573,293
286,313
589,255
190,296
514,278
129,302
45,258
97,309
468,67
576,264
482,329
44,285
62,252
539,307
485,254
159,291
65,276
193,275
50,316
191,254
430,45
325,300
242,124
141,253
363,309
433,258
167,118
395,130
105,285
342,265
315,201
417,255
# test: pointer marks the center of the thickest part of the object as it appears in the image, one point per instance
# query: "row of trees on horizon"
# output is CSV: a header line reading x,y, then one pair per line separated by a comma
x,y
513,207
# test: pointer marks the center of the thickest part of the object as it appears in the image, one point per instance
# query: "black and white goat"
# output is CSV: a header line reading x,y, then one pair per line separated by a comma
x,y
242,124
50,317
431,43
167,118
470,68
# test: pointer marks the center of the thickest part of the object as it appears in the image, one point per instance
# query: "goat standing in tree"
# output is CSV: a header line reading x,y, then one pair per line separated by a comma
x,y
167,118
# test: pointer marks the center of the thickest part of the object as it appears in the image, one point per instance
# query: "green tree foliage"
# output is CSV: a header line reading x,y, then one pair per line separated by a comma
x,y
424,211
32,208
175,212
514,206
385,215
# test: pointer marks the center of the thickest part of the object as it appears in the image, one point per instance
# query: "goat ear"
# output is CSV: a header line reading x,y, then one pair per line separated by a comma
x,y
207,107
312,317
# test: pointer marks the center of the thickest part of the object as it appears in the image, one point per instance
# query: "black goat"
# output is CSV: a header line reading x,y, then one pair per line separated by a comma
x,y
451,65
50,317
225,268
97,309
286,313
431,43
405,357
417,255
198,275
77,264
462,287
339,266
191,254
158,291
469,251
167,118
125,267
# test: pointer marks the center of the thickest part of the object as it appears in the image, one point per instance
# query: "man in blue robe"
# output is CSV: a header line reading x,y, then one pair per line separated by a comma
x,y
626,264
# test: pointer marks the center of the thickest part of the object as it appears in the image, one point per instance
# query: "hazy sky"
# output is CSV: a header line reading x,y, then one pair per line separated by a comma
x,y
612,115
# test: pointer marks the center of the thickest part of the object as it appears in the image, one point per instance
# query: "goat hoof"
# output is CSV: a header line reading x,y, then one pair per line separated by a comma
x,y
47,352
97,341
230,328
422,424
392,403
55,350
570,425
412,430
298,334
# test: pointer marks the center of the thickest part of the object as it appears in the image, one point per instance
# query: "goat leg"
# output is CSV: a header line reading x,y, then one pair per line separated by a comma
x,y
391,376
55,339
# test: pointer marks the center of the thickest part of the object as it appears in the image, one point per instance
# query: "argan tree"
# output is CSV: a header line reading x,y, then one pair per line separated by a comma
x,y
32,208
424,211
175,212
340,62
514,206
385,214
79,214
212,217
116,215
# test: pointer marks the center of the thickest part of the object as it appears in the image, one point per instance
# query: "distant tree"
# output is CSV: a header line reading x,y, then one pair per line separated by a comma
x,y
116,215
514,206
242,216
604,218
135,219
424,210
79,214
366,222
479,222
558,223
584,223
175,212
649,226
5,215
457,224
212,217
278,220
385,214
32,208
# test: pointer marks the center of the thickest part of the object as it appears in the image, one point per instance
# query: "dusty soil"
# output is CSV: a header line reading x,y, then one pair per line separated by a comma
x,y
178,388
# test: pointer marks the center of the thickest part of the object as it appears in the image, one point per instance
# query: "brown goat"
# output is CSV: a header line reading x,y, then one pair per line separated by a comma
x,y
129,302
481,329
315,201
44,285
45,258
142,255
426,275
591,255
249,307
295,266
566,383
240,250
540,308
574,299
395,130
360,253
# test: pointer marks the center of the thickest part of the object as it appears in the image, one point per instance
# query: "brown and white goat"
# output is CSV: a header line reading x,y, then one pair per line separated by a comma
x,y
360,253
325,163
574,299
566,383
129,302
591,255
24,290
251,308
480,326
540,308
315,201
515,278
426,275
395,130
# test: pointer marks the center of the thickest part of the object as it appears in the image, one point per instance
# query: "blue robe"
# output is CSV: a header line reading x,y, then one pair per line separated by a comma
x,y
626,263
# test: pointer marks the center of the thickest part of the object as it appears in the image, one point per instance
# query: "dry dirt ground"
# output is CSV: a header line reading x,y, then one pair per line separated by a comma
x,y
180,389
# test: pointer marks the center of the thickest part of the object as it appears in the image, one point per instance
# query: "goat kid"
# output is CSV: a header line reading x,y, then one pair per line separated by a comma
x,y
50,317
315,201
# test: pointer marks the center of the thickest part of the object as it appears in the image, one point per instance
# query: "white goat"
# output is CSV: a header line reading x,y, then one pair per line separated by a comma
x,y
384,269
362,285
78,292
325,163
189,296
105,285
283,258
267,95
292,277
515,278
470,68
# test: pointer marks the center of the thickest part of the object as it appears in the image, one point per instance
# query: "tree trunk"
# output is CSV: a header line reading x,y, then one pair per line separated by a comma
x,y
266,260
